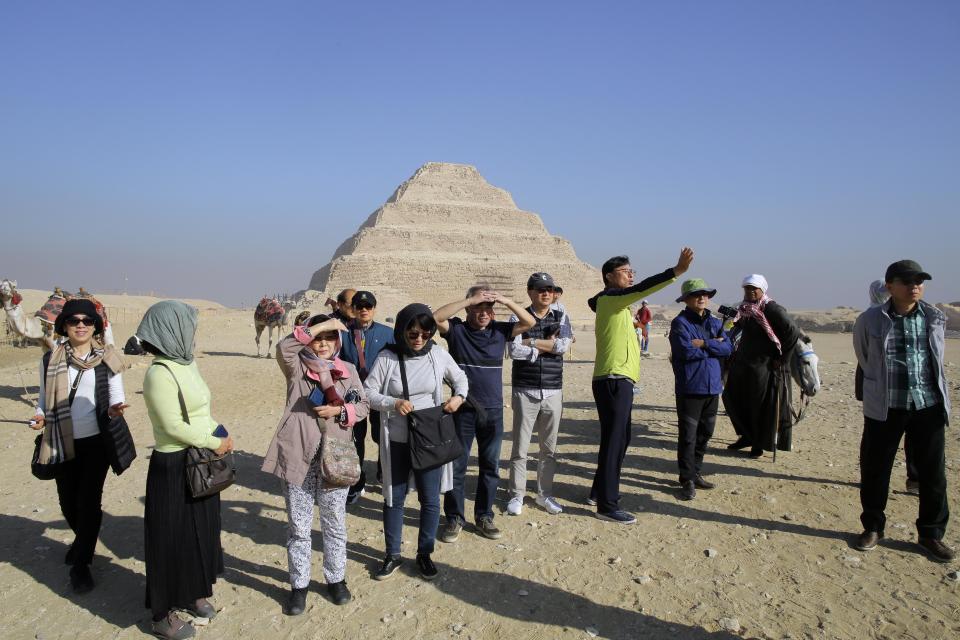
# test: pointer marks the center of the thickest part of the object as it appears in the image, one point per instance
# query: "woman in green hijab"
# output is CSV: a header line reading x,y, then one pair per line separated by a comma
x,y
183,552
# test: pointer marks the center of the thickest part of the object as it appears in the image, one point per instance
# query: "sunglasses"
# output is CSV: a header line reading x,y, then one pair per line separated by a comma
x,y
423,335
361,307
910,281
546,290
76,321
333,336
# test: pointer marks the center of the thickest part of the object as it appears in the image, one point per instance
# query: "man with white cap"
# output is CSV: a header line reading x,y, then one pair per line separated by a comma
x,y
755,396
900,346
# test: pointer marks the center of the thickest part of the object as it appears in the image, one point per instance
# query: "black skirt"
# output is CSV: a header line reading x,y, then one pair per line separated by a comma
x,y
182,537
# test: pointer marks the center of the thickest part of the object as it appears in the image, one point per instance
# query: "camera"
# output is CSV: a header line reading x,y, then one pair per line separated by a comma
x,y
727,312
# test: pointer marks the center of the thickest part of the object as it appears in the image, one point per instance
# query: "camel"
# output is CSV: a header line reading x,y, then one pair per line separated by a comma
x,y
32,329
270,315
38,329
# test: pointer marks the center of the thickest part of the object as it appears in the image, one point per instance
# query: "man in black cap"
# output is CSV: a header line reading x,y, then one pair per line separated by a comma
x,y
362,341
900,347
537,379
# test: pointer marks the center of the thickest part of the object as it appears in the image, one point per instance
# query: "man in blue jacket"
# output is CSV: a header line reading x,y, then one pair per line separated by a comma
x,y
698,344
362,341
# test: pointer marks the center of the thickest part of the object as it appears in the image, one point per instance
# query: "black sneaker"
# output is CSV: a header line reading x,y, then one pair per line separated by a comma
x,y
619,516
867,541
354,498
487,529
428,570
451,531
687,490
756,452
740,443
702,483
297,601
937,551
390,565
339,593
80,579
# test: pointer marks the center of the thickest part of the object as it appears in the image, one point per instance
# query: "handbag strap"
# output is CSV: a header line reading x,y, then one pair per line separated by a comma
x,y
183,403
406,390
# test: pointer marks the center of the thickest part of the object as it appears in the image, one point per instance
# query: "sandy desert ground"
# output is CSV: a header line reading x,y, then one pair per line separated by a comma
x,y
765,555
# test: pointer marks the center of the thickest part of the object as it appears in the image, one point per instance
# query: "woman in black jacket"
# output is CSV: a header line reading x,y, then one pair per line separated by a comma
x,y
80,391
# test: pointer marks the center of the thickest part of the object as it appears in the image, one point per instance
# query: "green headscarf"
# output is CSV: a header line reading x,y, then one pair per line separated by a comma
x,y
170,326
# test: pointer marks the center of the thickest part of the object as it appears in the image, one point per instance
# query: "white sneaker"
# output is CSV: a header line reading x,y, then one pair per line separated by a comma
x,y
515,506
549,505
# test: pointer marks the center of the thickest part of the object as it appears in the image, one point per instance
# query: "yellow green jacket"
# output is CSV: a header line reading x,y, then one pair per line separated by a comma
x,y
618,353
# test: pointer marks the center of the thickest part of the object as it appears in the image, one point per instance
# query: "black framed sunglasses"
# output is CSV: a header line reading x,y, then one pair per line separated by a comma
x,y
76,321
423,335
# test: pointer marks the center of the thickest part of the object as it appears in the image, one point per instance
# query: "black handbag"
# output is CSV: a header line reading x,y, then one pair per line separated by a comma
x,y
432,433
42,471
207,472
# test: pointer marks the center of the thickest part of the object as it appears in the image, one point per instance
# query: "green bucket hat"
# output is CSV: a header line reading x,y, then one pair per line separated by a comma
x,y
695,285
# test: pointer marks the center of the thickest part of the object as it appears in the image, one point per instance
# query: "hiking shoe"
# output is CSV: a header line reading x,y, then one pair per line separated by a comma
x,y
172,628
487,529
451,531
549,505
428,570
740,443
620,516
937,551
80,579
702,483
389,567
339,593
913,487
688,490
515,506
202,609
867,541
591,500
296,602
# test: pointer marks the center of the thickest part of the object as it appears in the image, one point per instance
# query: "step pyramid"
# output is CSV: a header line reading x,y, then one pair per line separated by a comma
x,y
444,230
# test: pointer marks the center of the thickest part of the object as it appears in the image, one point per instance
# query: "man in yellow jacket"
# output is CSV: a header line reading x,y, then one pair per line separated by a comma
x,y
616,370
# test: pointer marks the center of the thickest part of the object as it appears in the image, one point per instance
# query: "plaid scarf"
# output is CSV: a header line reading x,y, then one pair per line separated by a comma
x,y
755,310
324,372
57,442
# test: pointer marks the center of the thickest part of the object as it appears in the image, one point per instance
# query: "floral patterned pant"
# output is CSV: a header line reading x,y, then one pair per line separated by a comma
x,y
333,525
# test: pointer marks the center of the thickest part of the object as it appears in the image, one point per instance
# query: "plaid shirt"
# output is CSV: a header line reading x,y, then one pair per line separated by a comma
x,y
910,381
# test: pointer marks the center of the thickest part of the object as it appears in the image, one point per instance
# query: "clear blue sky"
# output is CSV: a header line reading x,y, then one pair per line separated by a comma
x,y
225,149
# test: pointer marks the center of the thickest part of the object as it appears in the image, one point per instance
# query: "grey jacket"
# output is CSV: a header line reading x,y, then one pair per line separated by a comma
x,y
871,333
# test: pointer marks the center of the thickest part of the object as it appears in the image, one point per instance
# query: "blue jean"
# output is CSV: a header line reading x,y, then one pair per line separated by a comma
x,y
428,491
489,435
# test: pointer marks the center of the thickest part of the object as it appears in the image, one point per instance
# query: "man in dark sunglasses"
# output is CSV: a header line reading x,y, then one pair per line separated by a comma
x,y
900,347
362,342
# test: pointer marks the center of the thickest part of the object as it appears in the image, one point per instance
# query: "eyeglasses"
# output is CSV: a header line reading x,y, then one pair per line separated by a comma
x,y
423,335
333,336
629,272
76,321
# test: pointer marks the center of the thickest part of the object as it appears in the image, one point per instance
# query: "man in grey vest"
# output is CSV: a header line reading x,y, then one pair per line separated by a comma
x,y
537,380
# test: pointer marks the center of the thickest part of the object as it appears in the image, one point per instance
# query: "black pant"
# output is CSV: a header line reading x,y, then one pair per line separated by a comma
x,y
80,489
878,448
614,399
696,415
360,442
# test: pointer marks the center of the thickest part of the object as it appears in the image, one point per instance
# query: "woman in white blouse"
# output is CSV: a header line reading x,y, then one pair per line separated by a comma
x,y
80,392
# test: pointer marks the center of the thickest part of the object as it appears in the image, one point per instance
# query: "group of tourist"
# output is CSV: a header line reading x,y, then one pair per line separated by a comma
x,y
347,374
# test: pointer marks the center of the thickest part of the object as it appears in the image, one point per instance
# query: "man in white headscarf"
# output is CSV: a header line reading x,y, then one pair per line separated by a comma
x,y
755,396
